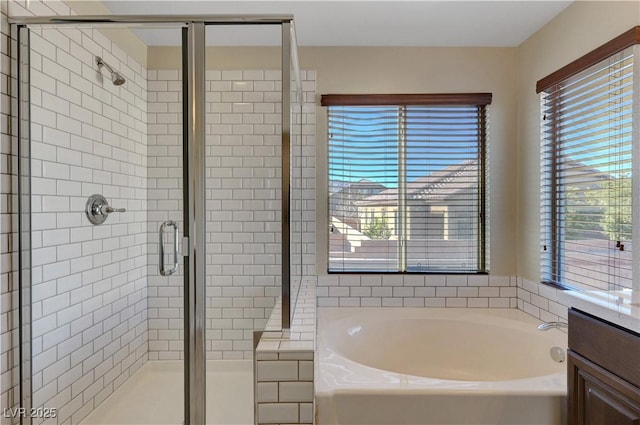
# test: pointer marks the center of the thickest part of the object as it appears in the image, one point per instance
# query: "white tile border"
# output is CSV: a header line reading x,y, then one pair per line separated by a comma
x,y
547,303
455,291
540,301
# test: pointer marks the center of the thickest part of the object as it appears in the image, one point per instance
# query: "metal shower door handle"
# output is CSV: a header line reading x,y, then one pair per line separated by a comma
x,y
172,270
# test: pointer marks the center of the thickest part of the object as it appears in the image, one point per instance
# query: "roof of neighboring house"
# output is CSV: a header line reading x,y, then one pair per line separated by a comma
x,y
453,179
355,186
438,185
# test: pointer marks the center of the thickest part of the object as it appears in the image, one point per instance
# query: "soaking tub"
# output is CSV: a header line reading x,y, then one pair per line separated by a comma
x,y
437,366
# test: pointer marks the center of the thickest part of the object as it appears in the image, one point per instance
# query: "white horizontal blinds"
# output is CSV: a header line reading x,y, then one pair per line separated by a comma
x,y
363,188
587,176
405,187
443,197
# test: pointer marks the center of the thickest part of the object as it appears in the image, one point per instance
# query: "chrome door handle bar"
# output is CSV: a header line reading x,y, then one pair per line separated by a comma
x,y
172,270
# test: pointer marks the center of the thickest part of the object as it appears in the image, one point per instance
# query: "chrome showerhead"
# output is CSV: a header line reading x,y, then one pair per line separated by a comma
x,y
116,78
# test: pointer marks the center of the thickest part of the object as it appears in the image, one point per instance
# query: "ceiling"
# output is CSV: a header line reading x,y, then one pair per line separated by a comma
x,y
359,23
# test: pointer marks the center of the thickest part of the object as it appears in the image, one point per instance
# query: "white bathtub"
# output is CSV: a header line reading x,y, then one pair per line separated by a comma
x,y
437,366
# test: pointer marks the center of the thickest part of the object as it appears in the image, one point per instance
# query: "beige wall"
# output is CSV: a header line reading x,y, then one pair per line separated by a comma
x,y
403,70
580,28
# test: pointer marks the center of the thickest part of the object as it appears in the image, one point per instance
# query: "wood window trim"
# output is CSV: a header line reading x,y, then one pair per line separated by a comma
x,y
618,44
477,99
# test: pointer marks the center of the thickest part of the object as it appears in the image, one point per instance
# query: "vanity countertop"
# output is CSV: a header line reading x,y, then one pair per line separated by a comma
x,y
619,307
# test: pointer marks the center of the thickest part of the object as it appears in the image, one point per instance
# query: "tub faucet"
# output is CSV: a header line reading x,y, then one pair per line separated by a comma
x,y
549,325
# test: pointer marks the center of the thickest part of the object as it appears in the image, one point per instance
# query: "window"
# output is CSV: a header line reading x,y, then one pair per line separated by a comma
x,y
587,170
407,182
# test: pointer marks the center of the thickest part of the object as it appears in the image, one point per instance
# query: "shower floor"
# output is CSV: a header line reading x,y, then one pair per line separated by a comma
x,y
153,395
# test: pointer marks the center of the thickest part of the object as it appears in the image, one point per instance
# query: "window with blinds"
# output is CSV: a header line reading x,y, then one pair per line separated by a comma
x,y
406,183
587,176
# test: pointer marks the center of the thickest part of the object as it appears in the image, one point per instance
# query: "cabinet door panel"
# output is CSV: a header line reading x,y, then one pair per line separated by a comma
x,y
598,397
603,406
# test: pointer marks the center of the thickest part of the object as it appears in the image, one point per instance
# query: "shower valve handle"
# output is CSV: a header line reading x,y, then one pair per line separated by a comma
x,y
98,209
110,210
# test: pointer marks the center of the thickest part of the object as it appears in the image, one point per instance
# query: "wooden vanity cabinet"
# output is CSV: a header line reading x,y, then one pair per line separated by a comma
x,y
603,372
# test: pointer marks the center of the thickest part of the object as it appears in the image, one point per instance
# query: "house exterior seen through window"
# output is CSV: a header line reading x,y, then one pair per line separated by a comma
x,y
406,185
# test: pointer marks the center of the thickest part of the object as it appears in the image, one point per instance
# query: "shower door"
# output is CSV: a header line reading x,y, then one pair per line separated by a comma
x,y
108,213
245,155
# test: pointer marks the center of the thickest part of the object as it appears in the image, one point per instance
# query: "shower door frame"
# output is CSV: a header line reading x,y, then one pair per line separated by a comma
x,y
194,184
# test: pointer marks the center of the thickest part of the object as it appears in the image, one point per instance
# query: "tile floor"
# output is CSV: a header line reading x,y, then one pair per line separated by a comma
x,y
154,396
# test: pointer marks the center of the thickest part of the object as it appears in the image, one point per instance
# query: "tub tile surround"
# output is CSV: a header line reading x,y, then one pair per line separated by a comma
x,y
284,365
243,113
541,301
456,291
550,304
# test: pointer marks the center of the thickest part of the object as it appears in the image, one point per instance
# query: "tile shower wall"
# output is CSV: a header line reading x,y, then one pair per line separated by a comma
x,y
243,205
89,282
8,258
164,137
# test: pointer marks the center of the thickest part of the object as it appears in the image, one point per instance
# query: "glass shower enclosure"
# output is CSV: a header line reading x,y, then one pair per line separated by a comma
x,y
157,214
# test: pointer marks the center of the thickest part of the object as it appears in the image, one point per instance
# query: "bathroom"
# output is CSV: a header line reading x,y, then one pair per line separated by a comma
x,y
244,264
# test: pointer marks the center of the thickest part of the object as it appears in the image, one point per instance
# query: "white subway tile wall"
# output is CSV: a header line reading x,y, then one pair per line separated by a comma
x,y
457,291
89,296
243,170
165,195
541,301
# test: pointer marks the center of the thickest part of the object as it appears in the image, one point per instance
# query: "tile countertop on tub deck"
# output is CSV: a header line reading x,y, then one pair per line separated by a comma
x,y
301,336
619,307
